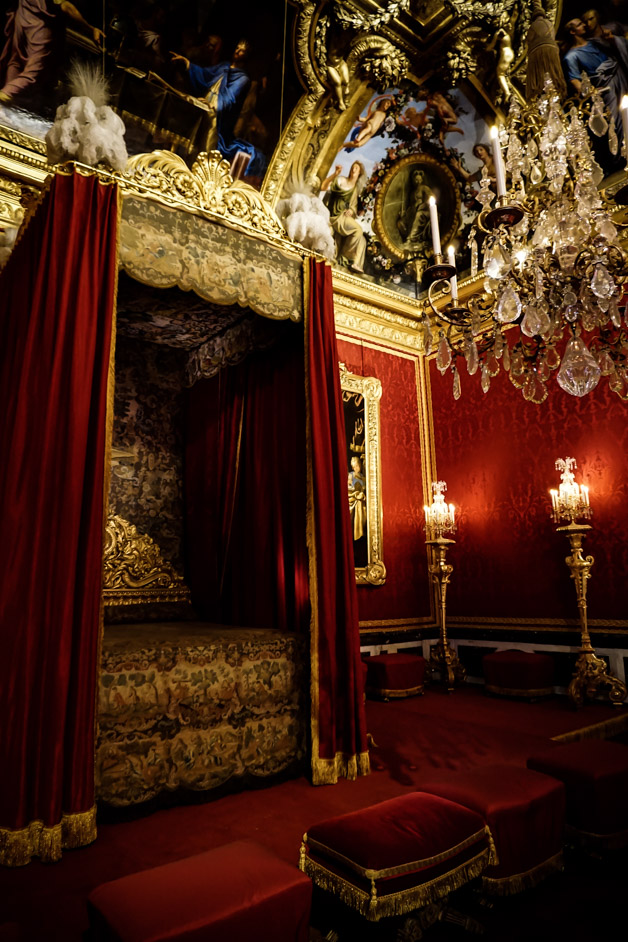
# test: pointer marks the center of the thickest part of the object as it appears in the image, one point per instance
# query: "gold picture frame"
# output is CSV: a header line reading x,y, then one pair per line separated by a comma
x,y
361,396
401,219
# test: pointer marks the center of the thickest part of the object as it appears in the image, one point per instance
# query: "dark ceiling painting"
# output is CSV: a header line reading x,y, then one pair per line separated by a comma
x,y
185,76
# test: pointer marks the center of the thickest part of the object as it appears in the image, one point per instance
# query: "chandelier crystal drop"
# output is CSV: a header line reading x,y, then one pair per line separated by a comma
x,y
553,302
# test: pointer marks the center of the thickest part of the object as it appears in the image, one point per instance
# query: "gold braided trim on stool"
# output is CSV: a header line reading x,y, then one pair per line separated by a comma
x,y
392,694
518,882
374,907
519,691
17,847
402,869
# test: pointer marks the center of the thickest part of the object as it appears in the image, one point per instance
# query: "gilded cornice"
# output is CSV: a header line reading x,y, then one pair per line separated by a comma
x,y
22,157
11,209
368,310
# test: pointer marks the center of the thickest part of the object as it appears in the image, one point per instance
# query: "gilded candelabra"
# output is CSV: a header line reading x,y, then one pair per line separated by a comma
x,y
440,519
591,672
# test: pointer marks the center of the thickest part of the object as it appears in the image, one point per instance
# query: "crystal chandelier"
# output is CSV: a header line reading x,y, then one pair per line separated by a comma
x,y
554,269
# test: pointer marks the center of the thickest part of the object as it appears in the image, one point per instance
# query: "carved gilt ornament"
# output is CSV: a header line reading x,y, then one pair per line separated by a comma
x,y
134,571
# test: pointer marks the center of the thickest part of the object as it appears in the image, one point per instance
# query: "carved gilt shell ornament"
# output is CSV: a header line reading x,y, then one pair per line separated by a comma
x,y
134,571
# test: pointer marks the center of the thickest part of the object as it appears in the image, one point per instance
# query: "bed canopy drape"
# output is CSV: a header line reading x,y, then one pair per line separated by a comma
x,y
57,298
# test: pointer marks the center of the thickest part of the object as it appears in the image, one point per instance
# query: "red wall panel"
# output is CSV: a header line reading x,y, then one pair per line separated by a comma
x,y
497,452
405,593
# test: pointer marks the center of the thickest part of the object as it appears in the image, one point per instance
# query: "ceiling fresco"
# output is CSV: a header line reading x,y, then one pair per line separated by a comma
x,y
386,101
409,142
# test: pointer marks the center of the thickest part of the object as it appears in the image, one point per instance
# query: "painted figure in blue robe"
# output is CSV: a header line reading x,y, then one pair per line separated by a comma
x,y
603,56
229,82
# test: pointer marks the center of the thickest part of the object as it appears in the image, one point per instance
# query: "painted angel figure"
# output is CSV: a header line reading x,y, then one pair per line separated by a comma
x,y
373,123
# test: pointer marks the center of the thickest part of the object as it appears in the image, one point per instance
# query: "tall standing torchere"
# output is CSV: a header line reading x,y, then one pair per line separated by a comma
x,y
440,519
569,502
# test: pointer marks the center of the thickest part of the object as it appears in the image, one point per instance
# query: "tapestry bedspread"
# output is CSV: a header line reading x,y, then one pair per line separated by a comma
x,y
192,705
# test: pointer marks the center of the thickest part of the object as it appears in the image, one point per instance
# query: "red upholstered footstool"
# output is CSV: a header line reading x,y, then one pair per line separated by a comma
x,y
525,812
395,675
595,773
239,891
397,856
519,673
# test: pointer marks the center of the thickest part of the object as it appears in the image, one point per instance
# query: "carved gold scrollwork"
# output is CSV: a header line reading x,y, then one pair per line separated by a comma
x,y
134,571
374,573
207,186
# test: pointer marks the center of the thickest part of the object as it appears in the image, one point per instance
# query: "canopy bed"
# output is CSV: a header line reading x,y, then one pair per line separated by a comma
x,y
265,545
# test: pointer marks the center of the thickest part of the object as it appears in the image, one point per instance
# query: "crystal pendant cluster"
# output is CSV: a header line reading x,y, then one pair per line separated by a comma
x,y
557,274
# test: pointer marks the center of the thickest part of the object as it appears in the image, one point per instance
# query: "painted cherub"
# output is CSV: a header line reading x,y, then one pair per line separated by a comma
x,y
371,124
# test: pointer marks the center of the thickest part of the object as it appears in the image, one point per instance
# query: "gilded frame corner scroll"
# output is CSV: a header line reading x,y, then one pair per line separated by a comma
x,y
364,443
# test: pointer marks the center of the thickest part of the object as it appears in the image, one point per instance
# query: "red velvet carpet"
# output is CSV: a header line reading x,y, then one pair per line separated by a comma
x,y
414,737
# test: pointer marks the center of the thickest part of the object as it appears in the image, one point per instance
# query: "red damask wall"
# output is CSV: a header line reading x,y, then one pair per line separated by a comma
x,y
405,593
497,452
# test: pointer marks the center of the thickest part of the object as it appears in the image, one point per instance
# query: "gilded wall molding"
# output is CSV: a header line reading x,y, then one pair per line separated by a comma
x,y
134,571
570,625
370,388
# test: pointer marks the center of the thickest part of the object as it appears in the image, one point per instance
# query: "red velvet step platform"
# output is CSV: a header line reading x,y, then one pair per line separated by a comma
x,y
595,774
238,891
515,673
391,676
525,812
397,856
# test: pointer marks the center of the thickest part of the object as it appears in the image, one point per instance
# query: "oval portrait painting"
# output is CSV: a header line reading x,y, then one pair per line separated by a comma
x,y
402,216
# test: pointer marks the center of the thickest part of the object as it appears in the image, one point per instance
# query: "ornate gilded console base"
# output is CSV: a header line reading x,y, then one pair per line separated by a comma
x,y
591,675
442,657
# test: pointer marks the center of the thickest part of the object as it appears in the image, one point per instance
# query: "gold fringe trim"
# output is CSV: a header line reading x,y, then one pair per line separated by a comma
x,y
328,771
603,730
402,868
612,841
518,882
374,907
35,840
395,694
519,691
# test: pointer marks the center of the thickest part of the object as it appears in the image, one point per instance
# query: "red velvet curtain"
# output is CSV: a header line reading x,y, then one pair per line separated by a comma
x,y
339,746
57,296
245,490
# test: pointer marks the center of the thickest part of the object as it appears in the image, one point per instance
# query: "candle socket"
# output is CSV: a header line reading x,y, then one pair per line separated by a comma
x,y
506,213
439,270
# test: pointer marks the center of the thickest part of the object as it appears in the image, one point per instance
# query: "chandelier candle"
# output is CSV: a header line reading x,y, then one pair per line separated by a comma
x,y
624,121
500,170
453,281
434,225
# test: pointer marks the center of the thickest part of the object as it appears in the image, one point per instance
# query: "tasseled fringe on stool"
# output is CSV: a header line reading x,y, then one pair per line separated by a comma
x,y
374,907
518,882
